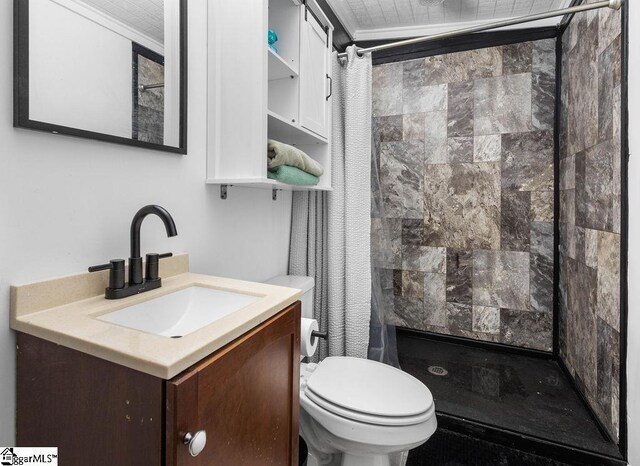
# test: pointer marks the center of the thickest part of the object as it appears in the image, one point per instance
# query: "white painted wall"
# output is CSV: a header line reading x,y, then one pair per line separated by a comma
x,y
67,203
80,72
633,371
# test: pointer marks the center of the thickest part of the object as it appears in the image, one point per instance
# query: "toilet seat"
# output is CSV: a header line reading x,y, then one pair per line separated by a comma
x,y
368,391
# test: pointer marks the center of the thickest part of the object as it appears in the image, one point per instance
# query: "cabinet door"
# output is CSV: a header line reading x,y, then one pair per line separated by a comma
x,y
245,397
314,81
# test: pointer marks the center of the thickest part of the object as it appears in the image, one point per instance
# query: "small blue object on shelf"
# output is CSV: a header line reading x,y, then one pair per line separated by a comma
x,y
272,38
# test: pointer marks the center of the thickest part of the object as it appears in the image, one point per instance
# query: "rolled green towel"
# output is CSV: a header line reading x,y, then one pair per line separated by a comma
x,y
292,175
279,154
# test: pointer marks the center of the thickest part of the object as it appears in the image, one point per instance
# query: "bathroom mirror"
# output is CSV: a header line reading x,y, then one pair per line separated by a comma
x,y
110,70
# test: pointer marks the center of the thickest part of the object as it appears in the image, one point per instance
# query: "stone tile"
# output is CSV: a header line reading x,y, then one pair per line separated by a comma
x,y
387,75
515,220
568,240
563,117
401,178
577,29
384,295
462,205
459,276
409,312
460,150
151,72
436,151
608,297
605,350
389,128
386,242
412,284
541,283
617,108
542,206
543,100
568,173
615,409
543,79
582,73
440,69
387,101
596,186
609,27
435,127
528,329
459,318
517,58
150,125
397,282
591,248
435,137
580,243
486,319
605,94
544,56
527,161
503,105
435,308
501,279
487,148
581,324
412,232
460,108
463,66
414,73
413,127
568,206
424,259
542,239
424,99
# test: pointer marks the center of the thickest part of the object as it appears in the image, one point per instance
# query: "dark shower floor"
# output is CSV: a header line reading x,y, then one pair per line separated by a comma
x,y
514,392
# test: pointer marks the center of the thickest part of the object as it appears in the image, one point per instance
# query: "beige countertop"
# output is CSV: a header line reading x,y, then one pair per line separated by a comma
x,y
61,312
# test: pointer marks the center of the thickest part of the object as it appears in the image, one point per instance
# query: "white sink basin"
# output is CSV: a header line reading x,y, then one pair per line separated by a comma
x,y
180,313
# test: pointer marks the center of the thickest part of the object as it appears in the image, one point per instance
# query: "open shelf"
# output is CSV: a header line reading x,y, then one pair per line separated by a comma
x,y
267,184
279,68
282,130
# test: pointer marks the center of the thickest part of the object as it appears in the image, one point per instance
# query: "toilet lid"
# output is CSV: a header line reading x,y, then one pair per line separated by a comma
x,y
366,390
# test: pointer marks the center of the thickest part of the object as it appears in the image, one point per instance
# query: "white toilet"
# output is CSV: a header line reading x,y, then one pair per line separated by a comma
x,y
357,412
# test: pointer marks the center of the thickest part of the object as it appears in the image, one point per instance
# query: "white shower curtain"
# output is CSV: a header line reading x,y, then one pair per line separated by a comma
x,y
332,242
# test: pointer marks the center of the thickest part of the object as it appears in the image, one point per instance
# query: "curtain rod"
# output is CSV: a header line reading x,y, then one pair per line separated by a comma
x,y
614,4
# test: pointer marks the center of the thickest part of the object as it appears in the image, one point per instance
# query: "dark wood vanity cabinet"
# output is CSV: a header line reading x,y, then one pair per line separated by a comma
x,y
245,396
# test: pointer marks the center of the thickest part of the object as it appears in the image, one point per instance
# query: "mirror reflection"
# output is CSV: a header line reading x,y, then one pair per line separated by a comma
x,y
107,66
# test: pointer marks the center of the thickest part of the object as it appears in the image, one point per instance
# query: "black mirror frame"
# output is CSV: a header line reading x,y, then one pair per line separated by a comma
x,y
21,86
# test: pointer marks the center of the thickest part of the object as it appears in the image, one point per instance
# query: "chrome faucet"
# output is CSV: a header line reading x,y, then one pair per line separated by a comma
x,y
117,288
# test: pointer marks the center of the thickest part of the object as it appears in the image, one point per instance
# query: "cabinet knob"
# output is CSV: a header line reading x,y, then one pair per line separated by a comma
x,y
195,442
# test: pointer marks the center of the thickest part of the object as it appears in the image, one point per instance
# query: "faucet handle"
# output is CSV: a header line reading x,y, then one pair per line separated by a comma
x,y
116,274
152,264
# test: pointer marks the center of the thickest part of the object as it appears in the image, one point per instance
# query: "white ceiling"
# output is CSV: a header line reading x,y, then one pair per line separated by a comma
x,y
386,19
144,16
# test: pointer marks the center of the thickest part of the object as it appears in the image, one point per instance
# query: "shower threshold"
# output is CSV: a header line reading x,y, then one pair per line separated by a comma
x,y
509,398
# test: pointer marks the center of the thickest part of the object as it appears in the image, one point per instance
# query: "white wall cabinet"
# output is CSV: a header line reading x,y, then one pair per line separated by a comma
x,y
256,94
315,81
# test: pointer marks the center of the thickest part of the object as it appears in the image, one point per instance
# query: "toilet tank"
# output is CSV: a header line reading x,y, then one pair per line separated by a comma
x,y
305,284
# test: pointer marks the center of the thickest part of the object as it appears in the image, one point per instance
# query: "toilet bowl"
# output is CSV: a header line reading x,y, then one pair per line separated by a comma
x,y
357,412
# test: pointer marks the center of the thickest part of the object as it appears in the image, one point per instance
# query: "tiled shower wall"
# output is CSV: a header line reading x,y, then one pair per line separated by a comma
x,y
465,147
590,213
